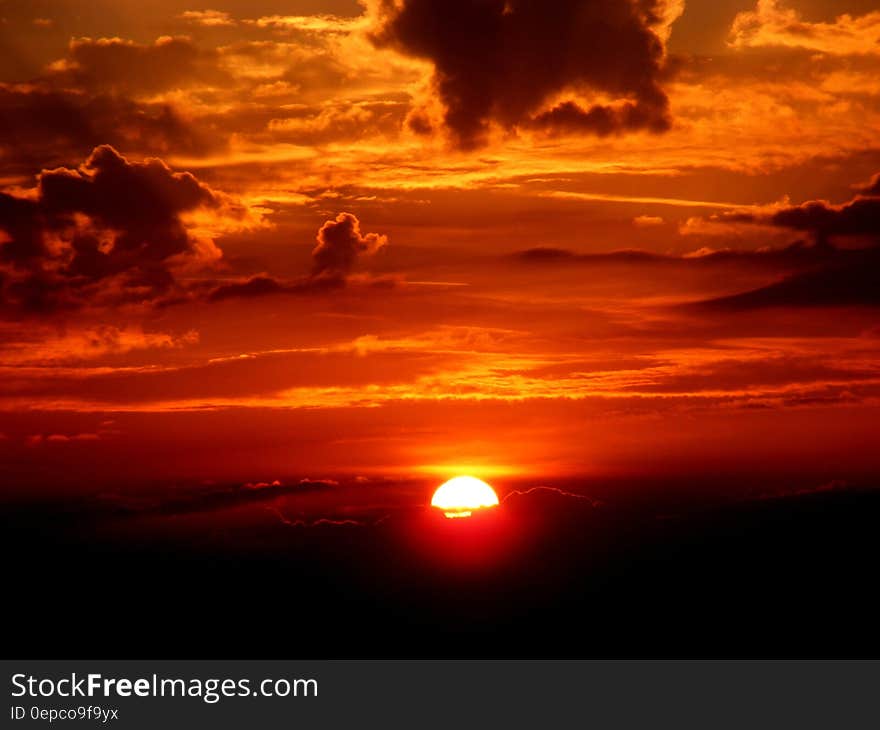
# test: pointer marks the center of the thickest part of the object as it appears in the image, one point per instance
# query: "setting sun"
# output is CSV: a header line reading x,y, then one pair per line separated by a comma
x,y
459,497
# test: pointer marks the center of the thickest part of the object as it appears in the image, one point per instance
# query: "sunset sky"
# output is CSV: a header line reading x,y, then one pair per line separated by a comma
x,y
281,239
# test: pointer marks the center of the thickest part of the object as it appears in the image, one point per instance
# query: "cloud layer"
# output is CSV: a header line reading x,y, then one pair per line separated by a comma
x,y
773,24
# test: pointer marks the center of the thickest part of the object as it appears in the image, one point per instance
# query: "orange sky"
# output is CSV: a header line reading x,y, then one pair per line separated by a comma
x,y
404,237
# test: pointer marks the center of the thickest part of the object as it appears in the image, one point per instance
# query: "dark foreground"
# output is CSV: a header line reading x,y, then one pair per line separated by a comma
x,y
547,576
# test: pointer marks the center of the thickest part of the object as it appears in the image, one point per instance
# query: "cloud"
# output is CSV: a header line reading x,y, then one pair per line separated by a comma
x,y
263,285
857,217
256,286
339,121
168,97
340,242
116,65
309,23
39,439
771,24
41,125
525,63
850,279
806,275
221,498
746,370
872,187
647,221
208,18
41,346
263,485
796,256
553,255
834,276
108,230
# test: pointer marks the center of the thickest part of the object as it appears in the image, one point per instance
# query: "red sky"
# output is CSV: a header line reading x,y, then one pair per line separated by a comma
x,y
403,237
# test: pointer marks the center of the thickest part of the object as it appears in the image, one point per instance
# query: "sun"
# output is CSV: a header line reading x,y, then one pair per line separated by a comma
x,y
459,497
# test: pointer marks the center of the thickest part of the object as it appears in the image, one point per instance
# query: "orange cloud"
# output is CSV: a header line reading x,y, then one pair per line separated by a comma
x,y
772,24
311,23
208,18
645,221
42,346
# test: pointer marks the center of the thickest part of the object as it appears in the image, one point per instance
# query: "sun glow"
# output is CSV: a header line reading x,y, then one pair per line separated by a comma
x,y
459,497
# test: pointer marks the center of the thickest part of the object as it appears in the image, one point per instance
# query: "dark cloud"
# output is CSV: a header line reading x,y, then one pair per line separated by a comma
x,y
263,285
505,61
202,499
234,496
256,286
42,126
858,217
812,275
340,242
603,120
849,278
109,229
797,256
552,255
835,276
114,65
103,92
